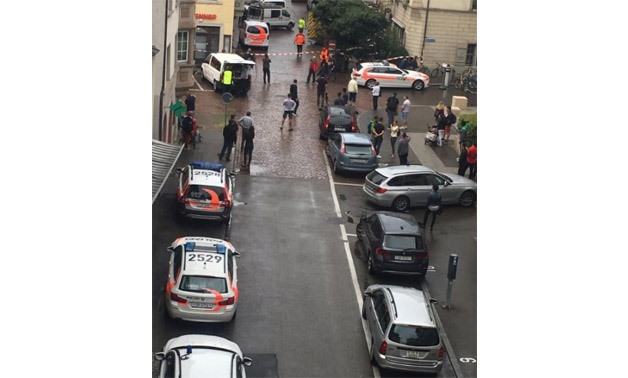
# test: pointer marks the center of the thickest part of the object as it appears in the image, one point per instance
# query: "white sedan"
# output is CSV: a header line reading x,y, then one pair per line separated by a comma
x,y
389,76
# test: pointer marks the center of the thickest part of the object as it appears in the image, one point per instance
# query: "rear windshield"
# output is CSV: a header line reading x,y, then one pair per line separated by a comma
x,y
414,335
358,149
376,178
403,242
200,192
203,284
343,121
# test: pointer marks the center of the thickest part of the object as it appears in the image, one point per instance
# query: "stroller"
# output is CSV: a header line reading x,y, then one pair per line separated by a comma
x,y
432,134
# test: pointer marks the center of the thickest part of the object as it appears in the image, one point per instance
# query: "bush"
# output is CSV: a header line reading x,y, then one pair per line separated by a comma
x,y
472,130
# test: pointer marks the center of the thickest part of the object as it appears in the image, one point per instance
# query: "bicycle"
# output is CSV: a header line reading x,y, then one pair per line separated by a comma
x,y
438,70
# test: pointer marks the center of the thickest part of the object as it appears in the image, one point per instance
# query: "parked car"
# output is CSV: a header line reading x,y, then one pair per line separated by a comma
x,y
401,187
273,15
254,34
214,68
204,191
389,76
403,328
202,283
393,243
351,152
191,356
337,119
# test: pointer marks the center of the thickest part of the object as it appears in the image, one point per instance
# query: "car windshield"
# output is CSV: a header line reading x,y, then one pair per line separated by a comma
x,y
341,121
414,335
376,178
200,192
445,177
203,284
403,242
358,149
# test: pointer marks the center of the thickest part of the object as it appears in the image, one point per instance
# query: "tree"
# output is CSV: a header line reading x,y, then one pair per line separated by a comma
x,y
351,24
472,130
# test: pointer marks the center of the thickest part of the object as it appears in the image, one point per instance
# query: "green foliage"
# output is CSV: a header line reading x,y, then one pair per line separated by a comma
x,y
350,23
472,131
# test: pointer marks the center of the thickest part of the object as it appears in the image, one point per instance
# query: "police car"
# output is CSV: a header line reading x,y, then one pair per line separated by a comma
x,y
202,280
389,76
205,191
191,356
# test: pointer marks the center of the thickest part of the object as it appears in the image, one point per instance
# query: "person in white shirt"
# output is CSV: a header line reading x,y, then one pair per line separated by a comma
x,y
405,110
352,88
288,111
376,93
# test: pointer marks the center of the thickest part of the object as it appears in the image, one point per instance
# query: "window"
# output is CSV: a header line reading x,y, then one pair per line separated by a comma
x,y
199,192
434,180
378,303
395,181
414,335
402,242
168,63
275,14
252,30
176,265
415,180
285,13
203,284
230,265
169,361
215,64
376,178
358,149
470,61
182,46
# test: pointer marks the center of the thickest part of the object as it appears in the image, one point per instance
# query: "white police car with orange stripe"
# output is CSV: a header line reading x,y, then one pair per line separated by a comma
x,y
204,191
202,280
389,76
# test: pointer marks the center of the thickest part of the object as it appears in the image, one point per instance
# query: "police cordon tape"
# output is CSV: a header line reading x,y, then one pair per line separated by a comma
x,y
293,53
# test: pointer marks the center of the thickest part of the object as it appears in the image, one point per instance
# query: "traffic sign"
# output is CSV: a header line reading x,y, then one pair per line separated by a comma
x,y
227,97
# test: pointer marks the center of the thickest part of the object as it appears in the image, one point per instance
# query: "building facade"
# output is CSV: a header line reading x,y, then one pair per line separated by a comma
x,y
165,68
442,31
214,28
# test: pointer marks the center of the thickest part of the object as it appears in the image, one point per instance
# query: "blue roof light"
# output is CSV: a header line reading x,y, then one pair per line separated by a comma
x,y
221,249
189,246
207,165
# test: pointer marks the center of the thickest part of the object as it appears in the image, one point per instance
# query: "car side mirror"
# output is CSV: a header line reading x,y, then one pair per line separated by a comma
x,y
159,356
433,301
368,294
170,249
246,361
236,253
179,169
446,183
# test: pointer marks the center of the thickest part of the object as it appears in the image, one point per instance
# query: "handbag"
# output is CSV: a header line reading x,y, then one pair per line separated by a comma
x,y
433,207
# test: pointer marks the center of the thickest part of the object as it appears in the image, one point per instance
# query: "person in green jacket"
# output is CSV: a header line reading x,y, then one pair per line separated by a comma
x,y
301,25
227,78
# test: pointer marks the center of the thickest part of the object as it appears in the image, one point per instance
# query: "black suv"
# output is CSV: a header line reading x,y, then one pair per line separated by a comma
x,y
337,119
393,243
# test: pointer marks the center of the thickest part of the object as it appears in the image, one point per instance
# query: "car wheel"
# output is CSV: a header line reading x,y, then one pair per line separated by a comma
x,y
370,266
370,84
401,203
418,85
434,73
358,231
467,198
336,170
290,26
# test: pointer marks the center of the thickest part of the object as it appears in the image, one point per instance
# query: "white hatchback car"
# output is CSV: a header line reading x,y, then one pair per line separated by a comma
x,y
191,356
389,76
202,280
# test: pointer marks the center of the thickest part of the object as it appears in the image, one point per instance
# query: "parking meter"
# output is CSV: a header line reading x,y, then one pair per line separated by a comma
x,y
453,265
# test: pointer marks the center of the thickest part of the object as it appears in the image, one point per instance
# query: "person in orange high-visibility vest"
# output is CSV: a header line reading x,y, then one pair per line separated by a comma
x,y
299,39
324,56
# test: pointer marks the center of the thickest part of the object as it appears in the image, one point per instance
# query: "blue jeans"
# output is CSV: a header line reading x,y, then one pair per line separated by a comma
x,y
227,146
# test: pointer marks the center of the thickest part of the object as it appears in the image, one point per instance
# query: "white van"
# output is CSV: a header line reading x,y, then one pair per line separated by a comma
x,y
214,67
254,34
273,17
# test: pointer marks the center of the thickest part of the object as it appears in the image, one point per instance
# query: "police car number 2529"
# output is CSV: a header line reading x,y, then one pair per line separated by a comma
x,y
206,257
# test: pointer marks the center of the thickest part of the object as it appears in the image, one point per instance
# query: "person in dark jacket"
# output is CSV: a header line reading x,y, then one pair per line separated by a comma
x,y
248,147
462,159
402,148
434,206
229,133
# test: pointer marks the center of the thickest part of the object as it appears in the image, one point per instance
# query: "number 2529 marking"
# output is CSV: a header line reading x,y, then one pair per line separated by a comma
x,y
204,257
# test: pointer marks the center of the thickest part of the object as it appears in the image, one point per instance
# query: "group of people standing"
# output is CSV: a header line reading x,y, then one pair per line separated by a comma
x,y
230,134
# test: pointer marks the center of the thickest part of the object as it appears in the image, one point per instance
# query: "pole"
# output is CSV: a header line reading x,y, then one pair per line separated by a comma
x,y
447,304
427,13
163,73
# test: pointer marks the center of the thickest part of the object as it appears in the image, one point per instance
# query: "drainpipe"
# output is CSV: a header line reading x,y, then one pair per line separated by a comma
x,y
427,13
163,73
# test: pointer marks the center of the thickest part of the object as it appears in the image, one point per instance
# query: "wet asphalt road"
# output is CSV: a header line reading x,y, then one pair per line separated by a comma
x,y
298,312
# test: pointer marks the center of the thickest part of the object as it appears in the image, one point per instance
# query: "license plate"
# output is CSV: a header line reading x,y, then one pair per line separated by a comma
x,y
413,354
201,305
358,161
403,258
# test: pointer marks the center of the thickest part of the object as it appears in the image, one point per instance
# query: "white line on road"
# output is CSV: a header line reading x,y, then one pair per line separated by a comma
x,y
354,276
346,184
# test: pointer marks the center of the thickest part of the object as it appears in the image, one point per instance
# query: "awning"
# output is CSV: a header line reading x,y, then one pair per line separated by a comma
x,y
164,158
398,22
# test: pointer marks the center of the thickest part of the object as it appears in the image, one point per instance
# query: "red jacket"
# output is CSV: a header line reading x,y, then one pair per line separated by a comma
x,y
472,155
314,66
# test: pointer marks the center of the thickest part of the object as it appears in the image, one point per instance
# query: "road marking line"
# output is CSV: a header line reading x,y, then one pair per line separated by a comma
x,y
199,85
354,235
347,184
354,276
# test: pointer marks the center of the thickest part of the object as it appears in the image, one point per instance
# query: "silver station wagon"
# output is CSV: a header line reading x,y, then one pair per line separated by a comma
x,y
404,332
403,186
